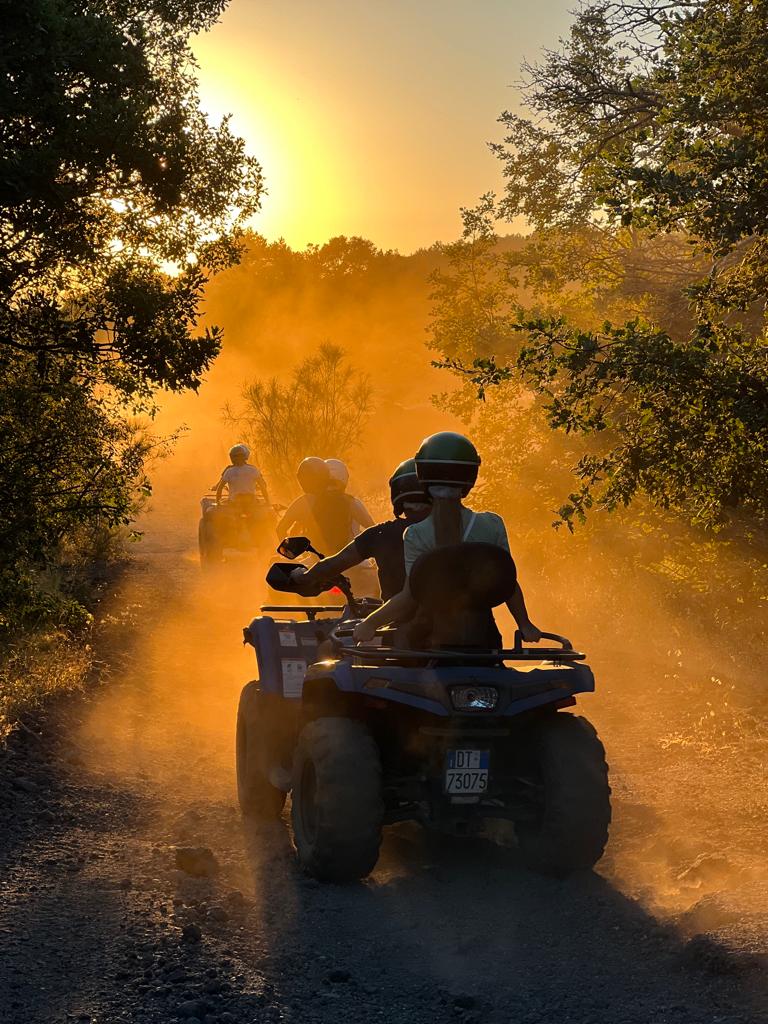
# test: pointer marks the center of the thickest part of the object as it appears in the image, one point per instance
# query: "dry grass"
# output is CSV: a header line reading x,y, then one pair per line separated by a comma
x,y
39,668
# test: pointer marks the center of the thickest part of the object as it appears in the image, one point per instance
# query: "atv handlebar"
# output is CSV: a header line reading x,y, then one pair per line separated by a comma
x,y
565,644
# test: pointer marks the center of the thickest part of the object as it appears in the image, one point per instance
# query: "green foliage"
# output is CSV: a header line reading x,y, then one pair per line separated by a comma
x,y
688,430
651,113
322,410
44,666
118,200
473,300
111,176
648,137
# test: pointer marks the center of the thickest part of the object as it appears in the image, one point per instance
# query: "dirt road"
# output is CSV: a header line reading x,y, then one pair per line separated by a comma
x,y
97,923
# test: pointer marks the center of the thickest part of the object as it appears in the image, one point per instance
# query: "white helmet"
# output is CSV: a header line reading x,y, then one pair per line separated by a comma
x,y
239,449
339,474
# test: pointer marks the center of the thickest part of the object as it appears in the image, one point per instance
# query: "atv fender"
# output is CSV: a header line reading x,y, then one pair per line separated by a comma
x,y
322,696
284,651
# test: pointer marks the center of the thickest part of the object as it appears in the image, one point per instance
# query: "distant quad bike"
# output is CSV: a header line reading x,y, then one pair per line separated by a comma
x,y
452,736
242,524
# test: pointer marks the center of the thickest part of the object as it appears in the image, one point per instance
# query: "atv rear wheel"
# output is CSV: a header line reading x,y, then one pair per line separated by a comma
x,y
571,830
257,796
210,551
337,804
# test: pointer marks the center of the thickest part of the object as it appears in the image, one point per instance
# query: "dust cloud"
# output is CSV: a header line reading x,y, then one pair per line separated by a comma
x,y
680,703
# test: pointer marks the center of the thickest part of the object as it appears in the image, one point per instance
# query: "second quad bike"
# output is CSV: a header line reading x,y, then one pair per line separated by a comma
x,y
244,523
449,736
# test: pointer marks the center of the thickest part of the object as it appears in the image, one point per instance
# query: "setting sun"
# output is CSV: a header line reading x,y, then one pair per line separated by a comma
x,y
370,119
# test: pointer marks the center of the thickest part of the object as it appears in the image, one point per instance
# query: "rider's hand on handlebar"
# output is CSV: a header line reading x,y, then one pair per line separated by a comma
x,y
300,570
530,634
364,632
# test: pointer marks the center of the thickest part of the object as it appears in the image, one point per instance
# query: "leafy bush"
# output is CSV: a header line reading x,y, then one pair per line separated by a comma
x,y
118,200
322,410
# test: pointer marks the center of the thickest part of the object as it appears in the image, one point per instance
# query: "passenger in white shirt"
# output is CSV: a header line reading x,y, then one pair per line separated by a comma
x,y
241,478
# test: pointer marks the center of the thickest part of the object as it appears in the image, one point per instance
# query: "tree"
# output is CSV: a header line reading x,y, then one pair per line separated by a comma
x,y
651,119
322,410
117,202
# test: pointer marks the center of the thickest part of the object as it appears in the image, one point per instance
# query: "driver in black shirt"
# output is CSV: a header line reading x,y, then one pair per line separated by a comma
x,y
383,542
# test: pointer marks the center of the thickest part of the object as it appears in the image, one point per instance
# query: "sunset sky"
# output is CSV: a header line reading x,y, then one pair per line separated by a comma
x,y
371,117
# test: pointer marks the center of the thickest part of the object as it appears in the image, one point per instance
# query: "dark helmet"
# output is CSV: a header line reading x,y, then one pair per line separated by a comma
x,y
448,459
313,475
404,486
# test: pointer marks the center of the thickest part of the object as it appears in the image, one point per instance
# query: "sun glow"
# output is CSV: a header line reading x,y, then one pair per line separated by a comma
x,y
296,146
369,119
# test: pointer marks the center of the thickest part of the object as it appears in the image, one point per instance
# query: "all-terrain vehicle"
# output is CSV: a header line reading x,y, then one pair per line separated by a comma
x,y
449,736
244,523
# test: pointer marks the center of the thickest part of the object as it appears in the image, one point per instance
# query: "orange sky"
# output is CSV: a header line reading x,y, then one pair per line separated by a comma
x,y
371,117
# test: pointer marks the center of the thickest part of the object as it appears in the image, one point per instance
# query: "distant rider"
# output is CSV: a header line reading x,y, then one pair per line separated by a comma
x,y
324,512
383,542
241,478
447,463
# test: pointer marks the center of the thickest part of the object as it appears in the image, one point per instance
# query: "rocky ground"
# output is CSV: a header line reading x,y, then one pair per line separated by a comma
x,y
133,891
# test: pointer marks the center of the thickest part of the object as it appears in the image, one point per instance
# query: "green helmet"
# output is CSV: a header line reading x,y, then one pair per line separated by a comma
x,y
448,459
404,486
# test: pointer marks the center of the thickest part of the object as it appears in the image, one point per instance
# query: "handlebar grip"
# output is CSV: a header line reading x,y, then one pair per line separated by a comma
x,y
345,629
564,642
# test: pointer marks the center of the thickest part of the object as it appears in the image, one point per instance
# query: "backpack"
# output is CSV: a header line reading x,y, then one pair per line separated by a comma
x,y
333,514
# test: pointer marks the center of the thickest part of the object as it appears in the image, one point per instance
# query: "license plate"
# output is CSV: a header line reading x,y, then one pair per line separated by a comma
x,y
466,771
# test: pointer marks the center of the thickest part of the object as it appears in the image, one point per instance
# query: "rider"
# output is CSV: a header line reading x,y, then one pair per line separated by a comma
x,y
323,512
241,478
447,463
384,542
361,517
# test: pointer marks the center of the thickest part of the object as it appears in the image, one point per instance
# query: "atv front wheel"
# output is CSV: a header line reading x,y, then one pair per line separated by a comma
x,y
337,804
257,796
569,766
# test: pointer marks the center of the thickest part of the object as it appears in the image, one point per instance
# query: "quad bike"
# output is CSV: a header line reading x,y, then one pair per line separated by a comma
x,y
449,736
242,524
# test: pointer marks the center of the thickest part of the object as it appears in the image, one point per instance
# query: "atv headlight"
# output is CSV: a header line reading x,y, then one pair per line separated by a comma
x,y
474,698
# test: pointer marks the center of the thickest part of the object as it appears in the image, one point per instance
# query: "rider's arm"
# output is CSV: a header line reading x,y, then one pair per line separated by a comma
x,y
290,517
397,608
402,605
516,605
328,568
220,488
262,485
360,514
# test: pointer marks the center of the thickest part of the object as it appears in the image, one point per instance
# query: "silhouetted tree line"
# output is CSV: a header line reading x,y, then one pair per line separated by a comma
x,y
643,166
118,201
